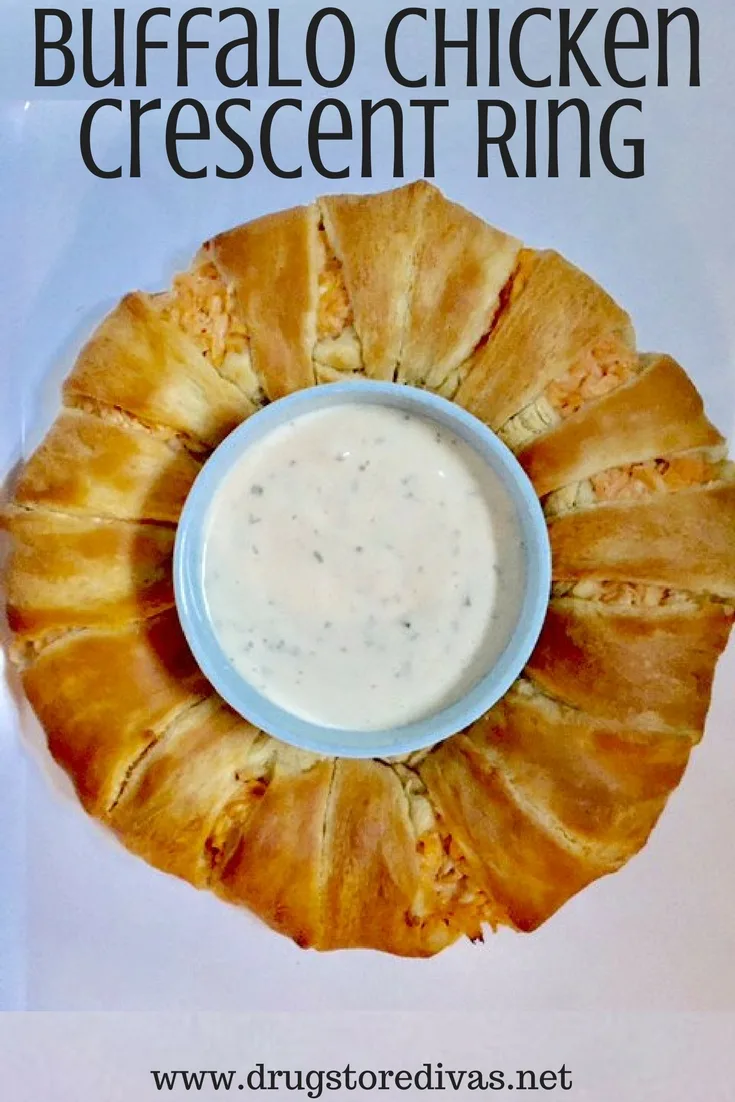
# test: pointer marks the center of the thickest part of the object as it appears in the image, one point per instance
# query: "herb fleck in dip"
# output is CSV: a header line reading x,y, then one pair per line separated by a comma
x,y
363,567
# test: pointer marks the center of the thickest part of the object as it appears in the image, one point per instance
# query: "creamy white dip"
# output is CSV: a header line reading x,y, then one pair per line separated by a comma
x,y
363,567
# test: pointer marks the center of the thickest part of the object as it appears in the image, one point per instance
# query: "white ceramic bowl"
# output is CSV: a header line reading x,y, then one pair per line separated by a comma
x,y
200,634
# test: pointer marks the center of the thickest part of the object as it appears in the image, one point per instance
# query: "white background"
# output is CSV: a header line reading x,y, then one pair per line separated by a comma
x,y
85,926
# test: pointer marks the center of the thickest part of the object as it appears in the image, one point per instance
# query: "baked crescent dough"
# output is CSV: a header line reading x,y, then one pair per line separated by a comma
x,y
142,363
375,239
651,664
272,266
105,696
658,412
560,783
107,467
69,571
554,318
634,540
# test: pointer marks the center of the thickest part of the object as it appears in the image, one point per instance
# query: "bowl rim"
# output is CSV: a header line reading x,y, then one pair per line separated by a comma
x,y
188,562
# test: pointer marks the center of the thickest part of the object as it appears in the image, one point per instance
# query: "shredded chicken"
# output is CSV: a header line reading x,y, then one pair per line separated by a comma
x,y
114,416
657,476
335,312
605,367
461,906
202,304
639,480
626,594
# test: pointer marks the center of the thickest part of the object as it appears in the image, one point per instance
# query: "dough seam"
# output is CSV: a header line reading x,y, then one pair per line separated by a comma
x,y
490,908
584,488
108,413
691,733
325,372
504,302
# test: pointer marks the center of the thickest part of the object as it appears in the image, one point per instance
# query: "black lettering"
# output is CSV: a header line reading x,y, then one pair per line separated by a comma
x,y
317,135
570,47
173,137
547,1079
384,1076
564,1073
143,45
117,76
235,174
349,1078
522,1077
182,77
443,44
531,138
493,77
403,1080
266,140
275,80
637,144
429,107
422,1078
314,1084
484,107
334,1083
250,75
456,1078
312,58
665,19
390,48
367,1080
496,1081
255,1079
556,110
369,109
60,44
612,45
516,60
85,139
137,110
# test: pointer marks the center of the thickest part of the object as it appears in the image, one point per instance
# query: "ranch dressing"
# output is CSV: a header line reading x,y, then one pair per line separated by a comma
x,y
363,567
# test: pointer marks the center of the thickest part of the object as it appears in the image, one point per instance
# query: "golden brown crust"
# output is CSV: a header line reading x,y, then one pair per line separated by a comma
x,y
516,861
67,571
685,540
272,265
653,667
600,785
103,697
502,823
372,885
376,238
98,467
141,362
556,317
658,413
275,849
170,804
462,265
